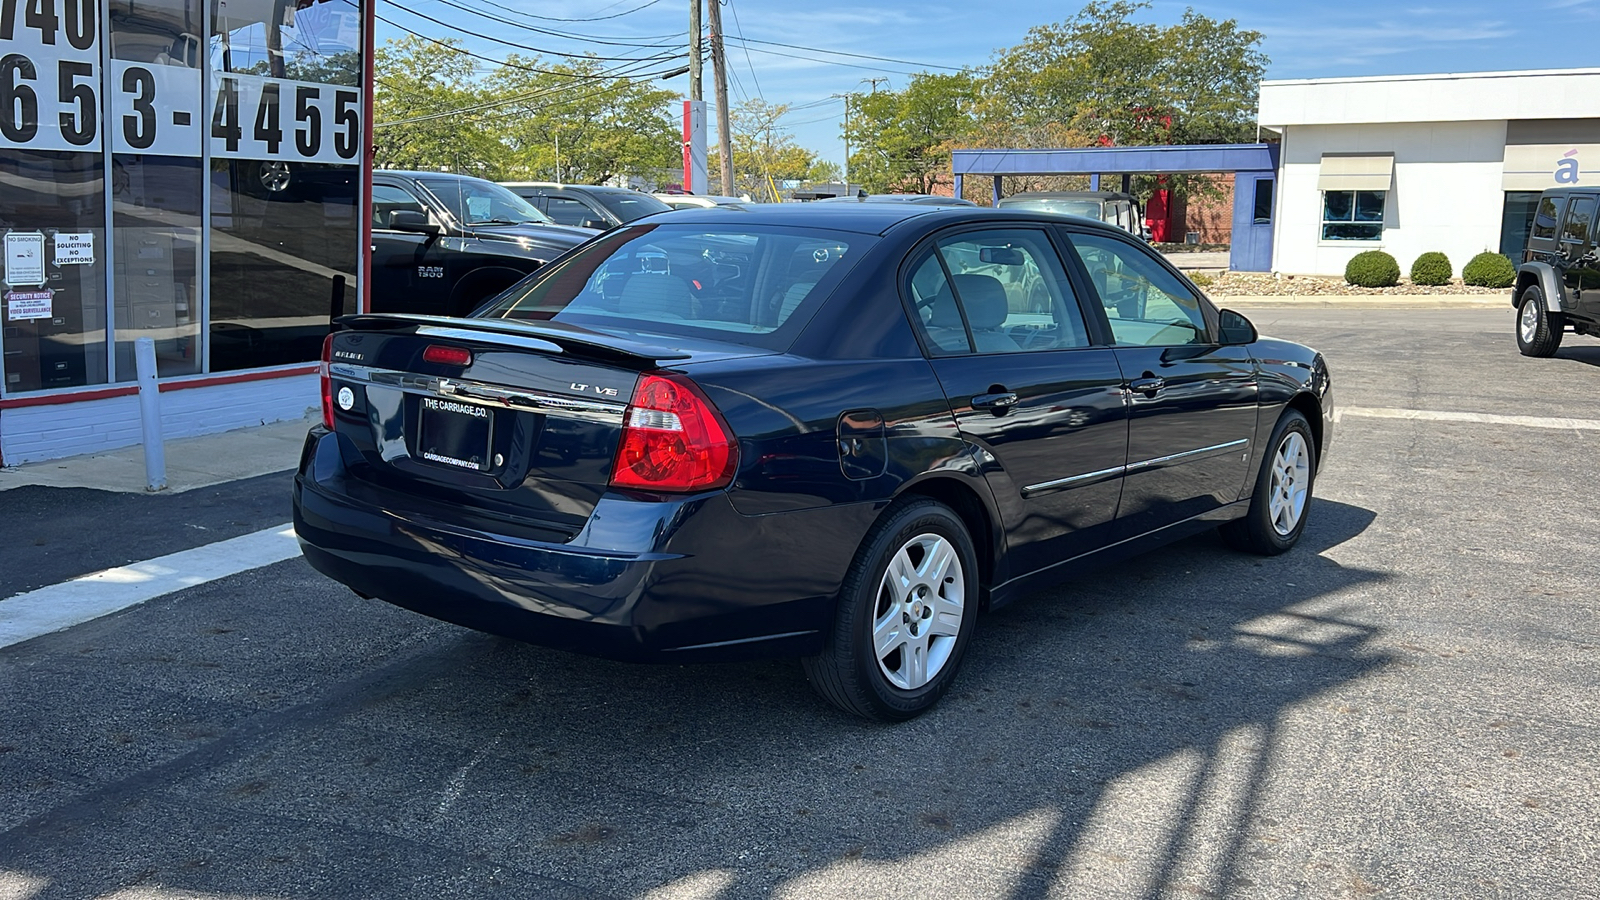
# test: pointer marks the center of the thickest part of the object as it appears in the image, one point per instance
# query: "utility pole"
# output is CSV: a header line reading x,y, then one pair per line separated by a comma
x,y
719,73
874,82
696,92
846,99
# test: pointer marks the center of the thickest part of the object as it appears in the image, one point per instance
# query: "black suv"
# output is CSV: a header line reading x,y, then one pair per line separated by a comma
x,y
442,244
589,205
1558,283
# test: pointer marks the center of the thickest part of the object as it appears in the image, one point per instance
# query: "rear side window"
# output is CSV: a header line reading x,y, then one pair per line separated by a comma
x,y
754,285
997,291
1544,219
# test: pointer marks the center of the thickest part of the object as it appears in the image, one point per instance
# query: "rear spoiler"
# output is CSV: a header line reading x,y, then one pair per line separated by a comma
x,y
554,336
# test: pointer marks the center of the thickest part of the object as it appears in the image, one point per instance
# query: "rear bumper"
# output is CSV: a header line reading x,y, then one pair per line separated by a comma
x,y
670,581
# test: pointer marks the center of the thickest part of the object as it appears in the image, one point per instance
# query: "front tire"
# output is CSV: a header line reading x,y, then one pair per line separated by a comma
x,y
906,614
1282,499
1538,330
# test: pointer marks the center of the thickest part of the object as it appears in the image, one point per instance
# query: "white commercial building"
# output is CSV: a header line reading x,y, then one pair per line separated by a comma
x,y
1413,163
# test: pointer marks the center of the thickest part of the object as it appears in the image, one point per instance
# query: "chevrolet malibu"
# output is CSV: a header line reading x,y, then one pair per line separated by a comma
x,y
833,432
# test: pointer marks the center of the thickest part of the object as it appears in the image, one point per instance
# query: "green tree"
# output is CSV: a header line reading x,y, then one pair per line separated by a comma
x,y
765,154
1111,79
421,89
606,126
902,139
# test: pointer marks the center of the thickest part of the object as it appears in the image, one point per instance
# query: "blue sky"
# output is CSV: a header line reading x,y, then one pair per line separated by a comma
x,y
1303,40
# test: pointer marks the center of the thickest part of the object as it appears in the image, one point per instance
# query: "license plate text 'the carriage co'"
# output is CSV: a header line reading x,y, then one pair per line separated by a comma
x,y
455,434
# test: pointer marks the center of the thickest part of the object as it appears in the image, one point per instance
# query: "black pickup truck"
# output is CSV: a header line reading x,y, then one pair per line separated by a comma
x,y
443,243
1558,282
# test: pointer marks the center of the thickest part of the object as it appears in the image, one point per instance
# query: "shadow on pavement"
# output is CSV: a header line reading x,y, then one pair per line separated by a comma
x,y
284,738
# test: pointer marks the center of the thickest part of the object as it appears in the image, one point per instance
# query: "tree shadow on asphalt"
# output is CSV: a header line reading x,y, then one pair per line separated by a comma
x,y
1153,692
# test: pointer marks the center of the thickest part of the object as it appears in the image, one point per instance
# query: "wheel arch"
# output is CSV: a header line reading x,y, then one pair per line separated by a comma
x,y
976,513
479,285
1307,405
1543,275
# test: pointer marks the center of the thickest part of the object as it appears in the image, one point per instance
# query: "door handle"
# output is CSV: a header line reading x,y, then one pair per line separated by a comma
x,y
1150,385
996,403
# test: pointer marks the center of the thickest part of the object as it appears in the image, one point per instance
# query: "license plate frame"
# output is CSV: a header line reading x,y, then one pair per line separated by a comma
x,y
454,434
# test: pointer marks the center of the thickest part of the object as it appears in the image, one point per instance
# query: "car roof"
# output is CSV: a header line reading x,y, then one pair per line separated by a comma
x,y
861,218
606,188
1070,195
443,176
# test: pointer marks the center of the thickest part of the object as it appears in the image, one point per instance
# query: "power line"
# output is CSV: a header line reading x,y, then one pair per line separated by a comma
x,y
616,73
514,44
612,40
740,29
526,68
588,19
903,62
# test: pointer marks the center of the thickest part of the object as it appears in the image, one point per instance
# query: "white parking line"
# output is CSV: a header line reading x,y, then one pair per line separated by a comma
x,y
1379,412
37,612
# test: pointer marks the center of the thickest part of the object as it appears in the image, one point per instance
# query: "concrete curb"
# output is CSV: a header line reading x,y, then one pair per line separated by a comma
x,y
1368,301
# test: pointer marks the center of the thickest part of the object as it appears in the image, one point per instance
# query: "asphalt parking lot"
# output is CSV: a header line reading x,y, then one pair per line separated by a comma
x,y
1406,705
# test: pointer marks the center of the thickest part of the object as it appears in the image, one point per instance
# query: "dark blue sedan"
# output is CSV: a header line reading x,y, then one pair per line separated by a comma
x,y
837,432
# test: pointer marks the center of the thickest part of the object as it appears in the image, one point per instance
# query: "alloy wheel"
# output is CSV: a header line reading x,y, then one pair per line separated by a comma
x,y
918,613
1528,321
1291,480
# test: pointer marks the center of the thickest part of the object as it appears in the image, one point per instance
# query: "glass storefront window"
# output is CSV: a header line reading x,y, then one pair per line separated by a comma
x,y
156,181
284,130
1517,218
200,187
52,196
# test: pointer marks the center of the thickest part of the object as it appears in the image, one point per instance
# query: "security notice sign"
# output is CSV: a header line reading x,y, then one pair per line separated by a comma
x,y
22,305
24,258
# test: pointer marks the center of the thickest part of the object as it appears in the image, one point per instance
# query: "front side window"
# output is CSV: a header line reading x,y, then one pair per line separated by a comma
x,y
1145,303
1006,292
482,202
388,200
1352,215
754,285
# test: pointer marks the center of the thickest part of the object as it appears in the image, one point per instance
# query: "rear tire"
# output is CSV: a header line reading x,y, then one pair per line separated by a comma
x,y
1282,499
905,616
1538,330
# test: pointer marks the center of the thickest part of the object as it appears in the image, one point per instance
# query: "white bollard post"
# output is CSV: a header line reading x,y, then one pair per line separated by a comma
x,y
155,455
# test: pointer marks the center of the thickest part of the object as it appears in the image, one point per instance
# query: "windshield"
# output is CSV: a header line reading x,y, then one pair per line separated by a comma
x,y
1090,208
754,285
630,205
482,202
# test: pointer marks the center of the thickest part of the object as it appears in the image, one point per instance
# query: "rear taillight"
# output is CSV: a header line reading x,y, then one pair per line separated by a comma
x,y
327,383
673,439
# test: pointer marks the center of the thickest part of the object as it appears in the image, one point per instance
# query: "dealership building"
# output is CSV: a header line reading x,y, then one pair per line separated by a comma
x,y
1414,163
185,171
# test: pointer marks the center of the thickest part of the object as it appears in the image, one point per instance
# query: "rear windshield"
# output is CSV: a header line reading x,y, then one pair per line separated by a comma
x,y
1090,208
630,205
753,285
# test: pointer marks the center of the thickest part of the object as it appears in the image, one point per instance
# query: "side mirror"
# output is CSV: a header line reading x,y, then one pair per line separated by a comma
x,y
413,221
1234,328
600,224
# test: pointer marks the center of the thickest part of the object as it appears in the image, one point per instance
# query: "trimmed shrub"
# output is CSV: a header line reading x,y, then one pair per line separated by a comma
x,y
1490,270
1432,269
1372,269
1201,279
